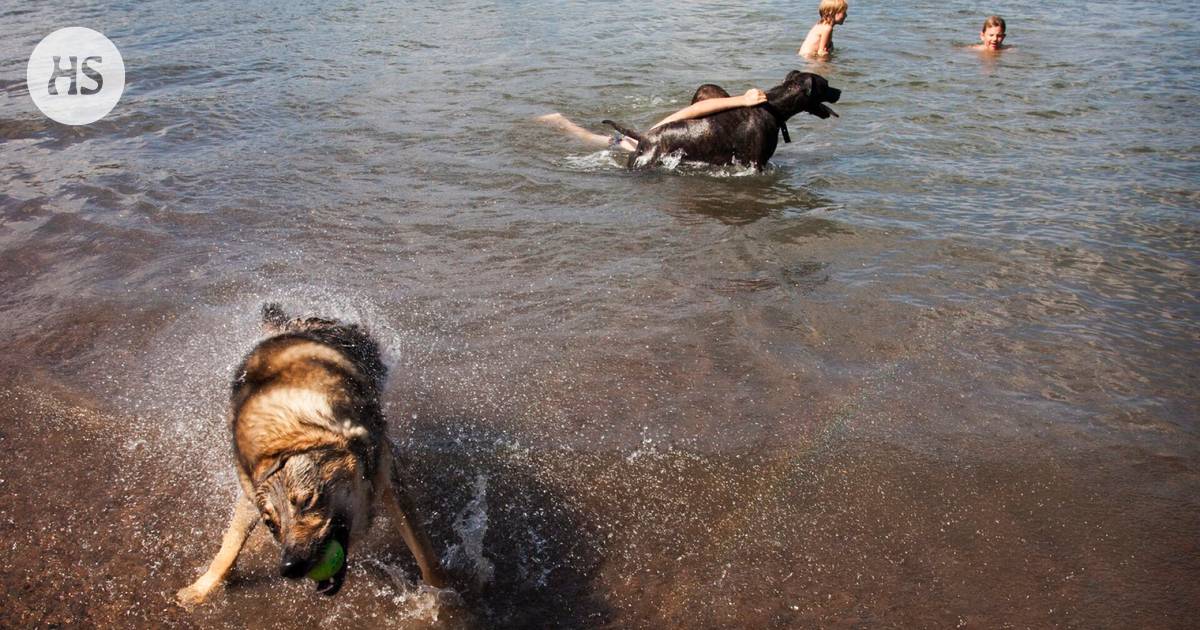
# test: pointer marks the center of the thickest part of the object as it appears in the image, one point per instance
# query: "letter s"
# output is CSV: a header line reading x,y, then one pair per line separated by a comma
x,y
93,75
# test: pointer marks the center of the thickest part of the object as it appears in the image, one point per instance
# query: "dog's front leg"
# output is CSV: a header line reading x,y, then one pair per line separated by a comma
x,y
245,517
404,514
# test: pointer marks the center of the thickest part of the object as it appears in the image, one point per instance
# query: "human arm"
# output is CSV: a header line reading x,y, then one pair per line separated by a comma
x,y
709,106
825,42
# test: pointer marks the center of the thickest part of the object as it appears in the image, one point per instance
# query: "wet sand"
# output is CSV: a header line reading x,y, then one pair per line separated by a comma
x,y
905,502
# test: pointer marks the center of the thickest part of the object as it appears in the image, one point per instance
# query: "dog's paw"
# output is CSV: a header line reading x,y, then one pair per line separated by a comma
x,y
192,596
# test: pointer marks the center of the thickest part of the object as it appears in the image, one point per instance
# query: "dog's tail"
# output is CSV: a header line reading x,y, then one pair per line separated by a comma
x,y
274,319
624,130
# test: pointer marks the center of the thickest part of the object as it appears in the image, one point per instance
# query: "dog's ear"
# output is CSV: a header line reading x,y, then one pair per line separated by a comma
x,y
804,82
273,468
302,470
807,84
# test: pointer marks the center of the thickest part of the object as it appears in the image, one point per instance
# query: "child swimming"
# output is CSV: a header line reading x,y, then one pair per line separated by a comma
x,y
992,34
708,99
819,42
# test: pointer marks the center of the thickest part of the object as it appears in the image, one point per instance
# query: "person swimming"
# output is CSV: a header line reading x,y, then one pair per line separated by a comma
x,y
707,100
991,36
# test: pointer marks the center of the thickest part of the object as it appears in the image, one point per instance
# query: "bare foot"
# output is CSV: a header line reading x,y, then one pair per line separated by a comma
x,y
558,120
555,119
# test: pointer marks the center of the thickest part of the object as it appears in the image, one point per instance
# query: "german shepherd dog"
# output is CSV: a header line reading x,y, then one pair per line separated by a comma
x,y
311,450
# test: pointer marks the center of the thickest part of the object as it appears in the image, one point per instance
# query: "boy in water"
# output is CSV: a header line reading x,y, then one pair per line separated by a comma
x,y
992,34
708,99
819,42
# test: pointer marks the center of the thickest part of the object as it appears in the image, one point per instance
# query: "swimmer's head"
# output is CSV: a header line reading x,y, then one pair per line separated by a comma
x,y
992,33
707,91
833,11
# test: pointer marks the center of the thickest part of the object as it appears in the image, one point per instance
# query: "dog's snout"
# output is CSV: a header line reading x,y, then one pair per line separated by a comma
x,y
293,568
834,95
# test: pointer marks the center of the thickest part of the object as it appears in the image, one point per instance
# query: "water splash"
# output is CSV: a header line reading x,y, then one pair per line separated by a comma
x,y
676,162
736,169
602,160
471,525
669,161
423,602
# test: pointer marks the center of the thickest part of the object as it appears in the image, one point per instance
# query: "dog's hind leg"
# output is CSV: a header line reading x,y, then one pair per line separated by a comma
x,y
644,159
404,514
245,517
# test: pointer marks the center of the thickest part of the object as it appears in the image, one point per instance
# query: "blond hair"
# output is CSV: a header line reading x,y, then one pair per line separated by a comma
x,y
830,8
994,20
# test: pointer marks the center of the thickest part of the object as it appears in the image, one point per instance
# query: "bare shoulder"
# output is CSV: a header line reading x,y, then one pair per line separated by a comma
x,y
813,39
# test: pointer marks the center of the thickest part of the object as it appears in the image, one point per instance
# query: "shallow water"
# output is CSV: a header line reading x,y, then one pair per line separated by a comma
x,y
936,367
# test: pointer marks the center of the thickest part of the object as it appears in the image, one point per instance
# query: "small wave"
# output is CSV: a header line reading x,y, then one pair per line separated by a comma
x,y
675,162
651,100
599,161
1047,113
729,170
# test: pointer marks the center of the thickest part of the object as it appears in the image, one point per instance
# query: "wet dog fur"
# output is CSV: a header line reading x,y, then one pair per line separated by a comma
x,y
743,135
311,451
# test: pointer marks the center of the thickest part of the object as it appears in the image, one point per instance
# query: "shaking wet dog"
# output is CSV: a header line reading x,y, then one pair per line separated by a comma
x,y
312,454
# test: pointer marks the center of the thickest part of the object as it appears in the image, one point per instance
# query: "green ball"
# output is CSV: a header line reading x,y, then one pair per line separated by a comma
x,y
331,562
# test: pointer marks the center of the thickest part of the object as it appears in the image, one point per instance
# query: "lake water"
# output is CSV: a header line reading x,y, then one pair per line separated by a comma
x,y
936,367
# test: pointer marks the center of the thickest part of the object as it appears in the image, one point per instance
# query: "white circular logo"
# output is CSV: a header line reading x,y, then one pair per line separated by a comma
x,y
75,76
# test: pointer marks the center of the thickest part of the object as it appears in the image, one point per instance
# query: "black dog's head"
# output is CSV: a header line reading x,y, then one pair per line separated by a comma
x,y
804,92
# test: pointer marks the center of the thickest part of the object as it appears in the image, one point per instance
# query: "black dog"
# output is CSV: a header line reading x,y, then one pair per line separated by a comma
x,y
744,135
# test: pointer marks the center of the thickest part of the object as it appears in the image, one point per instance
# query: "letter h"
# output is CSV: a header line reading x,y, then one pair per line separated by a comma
x,y
59,72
